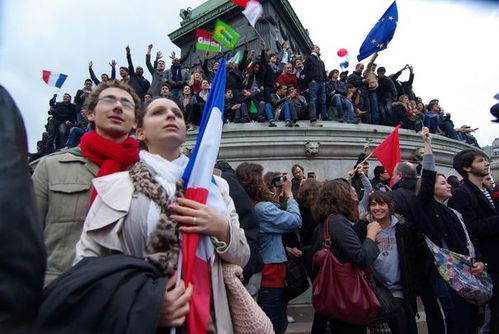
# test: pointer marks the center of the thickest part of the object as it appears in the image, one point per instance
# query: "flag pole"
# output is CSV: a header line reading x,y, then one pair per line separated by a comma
x,y
366,158
173,330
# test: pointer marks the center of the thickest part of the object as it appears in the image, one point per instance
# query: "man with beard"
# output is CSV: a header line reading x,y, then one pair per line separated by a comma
x,y
480,215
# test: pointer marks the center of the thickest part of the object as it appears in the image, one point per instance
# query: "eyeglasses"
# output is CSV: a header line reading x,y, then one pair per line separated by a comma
x,y
111,101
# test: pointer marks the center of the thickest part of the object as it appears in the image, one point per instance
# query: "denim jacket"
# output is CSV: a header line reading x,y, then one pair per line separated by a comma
x,y
273,223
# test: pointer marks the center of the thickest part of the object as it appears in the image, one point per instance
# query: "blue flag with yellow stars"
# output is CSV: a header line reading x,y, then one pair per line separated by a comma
x,y
381,34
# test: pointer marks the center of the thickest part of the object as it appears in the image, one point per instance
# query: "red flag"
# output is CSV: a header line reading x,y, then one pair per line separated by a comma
x,y
241,3
388,152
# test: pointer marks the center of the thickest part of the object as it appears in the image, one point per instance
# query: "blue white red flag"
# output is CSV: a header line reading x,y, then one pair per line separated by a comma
x,y
198,176
53,79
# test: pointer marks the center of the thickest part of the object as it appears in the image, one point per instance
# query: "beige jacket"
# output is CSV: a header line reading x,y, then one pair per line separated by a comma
x,y
62,184
102,233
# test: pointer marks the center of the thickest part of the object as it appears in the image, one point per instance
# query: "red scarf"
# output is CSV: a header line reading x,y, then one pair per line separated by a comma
x,y
110,156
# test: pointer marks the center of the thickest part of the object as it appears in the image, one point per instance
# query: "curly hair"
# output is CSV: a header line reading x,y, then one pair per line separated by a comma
x,y
251,177
334,197
308,193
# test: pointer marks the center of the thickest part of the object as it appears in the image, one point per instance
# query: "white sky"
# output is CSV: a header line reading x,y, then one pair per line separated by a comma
x,y
451,44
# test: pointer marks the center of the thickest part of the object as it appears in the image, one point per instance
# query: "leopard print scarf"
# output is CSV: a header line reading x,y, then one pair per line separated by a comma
x,y
164,243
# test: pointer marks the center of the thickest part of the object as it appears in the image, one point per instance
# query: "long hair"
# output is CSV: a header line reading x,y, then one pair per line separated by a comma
x,y
251,177
307,195
335,197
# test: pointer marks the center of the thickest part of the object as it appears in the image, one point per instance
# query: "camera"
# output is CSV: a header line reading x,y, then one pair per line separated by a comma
x,y
278,181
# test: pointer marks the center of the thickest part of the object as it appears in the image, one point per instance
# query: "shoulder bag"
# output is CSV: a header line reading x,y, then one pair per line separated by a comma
x,y
341,290
455,269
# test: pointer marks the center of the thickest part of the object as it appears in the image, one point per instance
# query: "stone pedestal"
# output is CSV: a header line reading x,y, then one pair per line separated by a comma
x,y
338,144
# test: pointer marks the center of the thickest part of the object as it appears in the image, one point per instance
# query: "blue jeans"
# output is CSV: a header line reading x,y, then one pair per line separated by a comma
x,y
374,108
270,300
461,317
385,108
57,135
75,134
317,95
269,112
344,107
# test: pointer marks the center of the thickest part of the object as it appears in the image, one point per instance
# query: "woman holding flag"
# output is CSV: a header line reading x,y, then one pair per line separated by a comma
x,y
143,213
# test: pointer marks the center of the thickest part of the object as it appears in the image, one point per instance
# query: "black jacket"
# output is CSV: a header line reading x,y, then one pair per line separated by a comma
x,y
482,220
247,219
22,250
111,294
405,200
386,90
345,243
314,69
271,71
139,84
63,111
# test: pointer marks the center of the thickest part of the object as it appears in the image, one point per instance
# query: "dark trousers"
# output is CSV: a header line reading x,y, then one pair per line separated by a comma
x,y
494,305
57,135
271,302
321,323
461,317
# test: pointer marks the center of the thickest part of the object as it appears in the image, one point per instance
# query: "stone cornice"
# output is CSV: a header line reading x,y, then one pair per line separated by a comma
x,y
338,141
188,26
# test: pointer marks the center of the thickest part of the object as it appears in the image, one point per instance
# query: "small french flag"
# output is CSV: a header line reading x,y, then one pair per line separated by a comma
x,y
54,79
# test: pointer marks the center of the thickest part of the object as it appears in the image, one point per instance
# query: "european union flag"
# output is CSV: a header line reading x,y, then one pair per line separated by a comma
x,y
381,34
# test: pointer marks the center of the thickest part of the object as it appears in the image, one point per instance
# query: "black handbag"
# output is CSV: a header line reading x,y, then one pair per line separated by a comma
x,y
391,307
296,278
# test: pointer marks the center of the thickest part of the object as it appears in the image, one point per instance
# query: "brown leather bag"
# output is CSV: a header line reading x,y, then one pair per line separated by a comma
x,y
341,290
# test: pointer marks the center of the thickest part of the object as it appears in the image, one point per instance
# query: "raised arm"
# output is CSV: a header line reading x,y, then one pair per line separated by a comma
x,y
92,74
113,69
148,59
428,174
129,60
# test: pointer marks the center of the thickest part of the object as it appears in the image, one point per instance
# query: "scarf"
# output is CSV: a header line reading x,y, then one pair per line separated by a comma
x,y
110,156
157,178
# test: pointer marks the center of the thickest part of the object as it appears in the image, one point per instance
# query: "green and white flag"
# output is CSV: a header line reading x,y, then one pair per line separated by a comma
x,y
225,35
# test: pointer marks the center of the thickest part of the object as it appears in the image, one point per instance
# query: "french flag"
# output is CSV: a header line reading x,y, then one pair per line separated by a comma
x,y
198,176
54,79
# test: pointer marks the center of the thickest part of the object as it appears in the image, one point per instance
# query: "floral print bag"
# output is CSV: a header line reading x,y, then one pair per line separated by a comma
x,y
455,269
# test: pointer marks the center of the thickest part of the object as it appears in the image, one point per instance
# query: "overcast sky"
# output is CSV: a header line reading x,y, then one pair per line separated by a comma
x,y
452,46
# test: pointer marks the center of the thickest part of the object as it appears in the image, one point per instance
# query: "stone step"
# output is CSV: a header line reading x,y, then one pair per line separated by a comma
x,y
304,315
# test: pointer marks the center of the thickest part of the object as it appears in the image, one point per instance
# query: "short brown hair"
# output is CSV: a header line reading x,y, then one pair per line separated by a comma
x,y
94,97
382,197
335,198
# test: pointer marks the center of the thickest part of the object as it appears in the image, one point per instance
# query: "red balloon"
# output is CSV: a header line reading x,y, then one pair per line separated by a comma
x,y
342,52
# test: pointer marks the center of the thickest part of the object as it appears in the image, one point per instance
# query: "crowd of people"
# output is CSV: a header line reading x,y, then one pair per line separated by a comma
x,y
264,87
115,200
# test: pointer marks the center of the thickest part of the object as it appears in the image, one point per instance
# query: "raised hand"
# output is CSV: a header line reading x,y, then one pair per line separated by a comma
x,y
159,55
90,64
127,49
113,63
